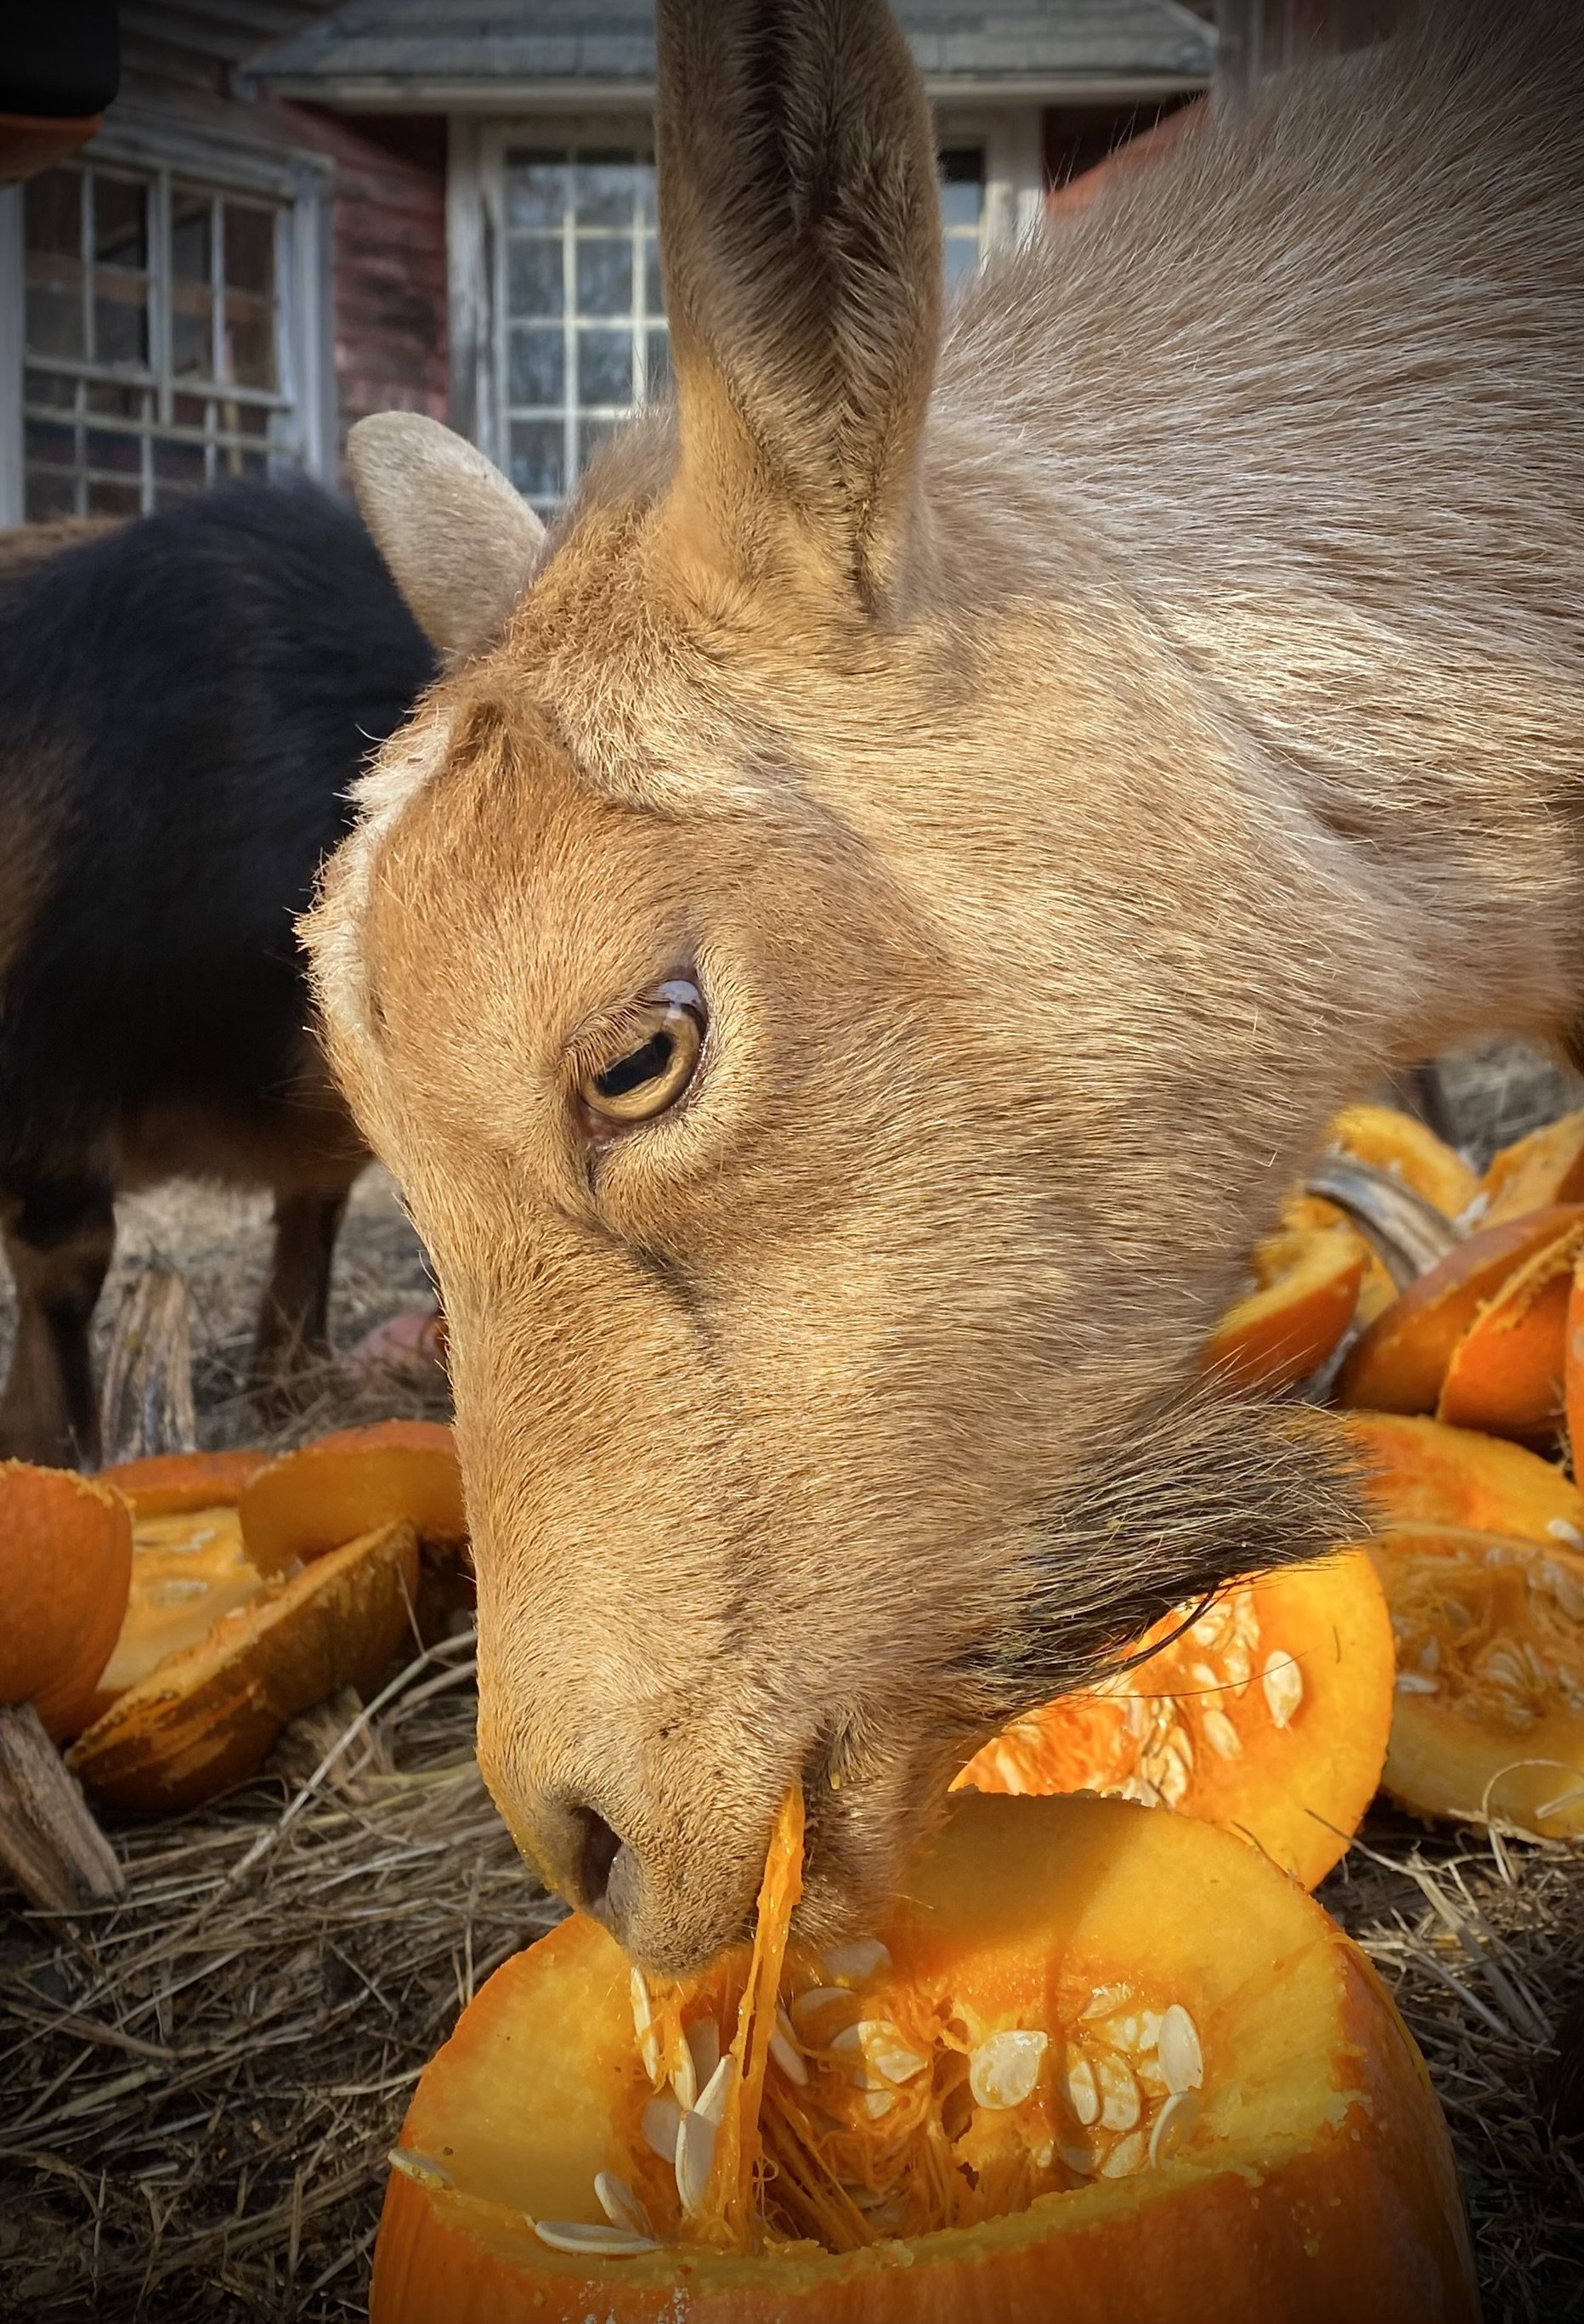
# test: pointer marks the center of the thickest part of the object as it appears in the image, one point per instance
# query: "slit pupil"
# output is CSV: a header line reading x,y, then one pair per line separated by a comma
x,y
640,1066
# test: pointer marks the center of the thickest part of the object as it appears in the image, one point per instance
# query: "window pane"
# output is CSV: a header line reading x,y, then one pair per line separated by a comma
x,y
250,249
191,236
191,411
534,276
536,368
192,353
654,296
109,498
179,469
961,256
607,187
121,317
117,402
53,322
605,276
535,186
48,445
47,387
121,210
604,366
52,213
250,341
658,364
115,454
538,459
51,492
962,187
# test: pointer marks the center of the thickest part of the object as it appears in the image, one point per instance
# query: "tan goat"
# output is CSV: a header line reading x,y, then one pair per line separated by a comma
x,y
844,971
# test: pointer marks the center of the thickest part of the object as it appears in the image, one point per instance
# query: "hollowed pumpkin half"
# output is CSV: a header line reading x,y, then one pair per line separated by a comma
x,y
1312,2179
1268,1716
206,1718
1396,1142
348,1482
1489,1719
65,1571
1421,1470
188,1568
1285,1330
1401,1362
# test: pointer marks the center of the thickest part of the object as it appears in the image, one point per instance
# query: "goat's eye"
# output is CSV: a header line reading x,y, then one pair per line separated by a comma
x,y
662,1040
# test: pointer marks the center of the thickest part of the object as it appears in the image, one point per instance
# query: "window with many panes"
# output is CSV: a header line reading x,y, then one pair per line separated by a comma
x,y
154,352
582,321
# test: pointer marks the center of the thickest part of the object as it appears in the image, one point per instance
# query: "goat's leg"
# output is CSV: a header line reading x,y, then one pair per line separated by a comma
x,y
59,1235
293,1336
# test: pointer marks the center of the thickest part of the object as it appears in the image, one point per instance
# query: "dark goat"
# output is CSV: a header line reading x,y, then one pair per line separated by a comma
x,y
184,701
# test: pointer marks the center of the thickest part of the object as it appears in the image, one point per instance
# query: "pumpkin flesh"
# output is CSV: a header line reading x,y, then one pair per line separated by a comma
x,y
1489,1718
188,1569
1535,1172
1267,1715
1281,1331
397,1471
1408,1149
1314,2181
1423,1470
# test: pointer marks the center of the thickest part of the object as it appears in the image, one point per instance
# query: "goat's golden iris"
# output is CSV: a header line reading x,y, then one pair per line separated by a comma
x,y
662,1040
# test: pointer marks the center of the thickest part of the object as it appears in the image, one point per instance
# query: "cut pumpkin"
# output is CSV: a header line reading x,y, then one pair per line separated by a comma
x,y
1268,1715
1536,1172
1504,1375
1286,1329
206,1718
65,1571
1396,1142
346,1483
1489,1718
1421,1470
1101,2063
188,1569
1401,1362
169,1484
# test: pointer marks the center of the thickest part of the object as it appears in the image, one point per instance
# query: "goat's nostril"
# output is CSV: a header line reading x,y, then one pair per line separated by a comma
x,y
597,1851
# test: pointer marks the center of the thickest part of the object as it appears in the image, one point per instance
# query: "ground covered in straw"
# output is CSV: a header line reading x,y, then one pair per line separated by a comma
x,y
198,2088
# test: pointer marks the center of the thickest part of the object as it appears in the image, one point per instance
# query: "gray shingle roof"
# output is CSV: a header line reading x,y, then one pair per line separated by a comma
x,y
462,52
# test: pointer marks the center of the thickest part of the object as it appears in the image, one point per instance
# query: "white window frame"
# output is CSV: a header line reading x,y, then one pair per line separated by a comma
x,y
174,153
1011,137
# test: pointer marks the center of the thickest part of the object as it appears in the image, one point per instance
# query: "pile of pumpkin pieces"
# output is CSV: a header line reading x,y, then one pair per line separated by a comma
x,y
168,1618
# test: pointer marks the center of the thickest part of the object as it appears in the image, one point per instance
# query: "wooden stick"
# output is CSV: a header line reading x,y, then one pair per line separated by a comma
x,y
48,1842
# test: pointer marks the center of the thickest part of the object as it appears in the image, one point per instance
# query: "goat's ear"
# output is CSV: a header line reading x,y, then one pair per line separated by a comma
x,y
800,230
460,543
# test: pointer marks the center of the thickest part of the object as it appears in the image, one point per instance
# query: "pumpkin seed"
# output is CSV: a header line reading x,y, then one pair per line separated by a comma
x,y
1082,2096
808,2006
704,2044
1003,2070
717,2090
855,1964
1180,2057
423,2168
695,2159
1077,2156
1119,2106
1175,2119
620,2206
1126,2157
1221,1736
1412,1682
661,2121
685,2078
591,2242
784,2050
643,2026
1284,1687
1561,1530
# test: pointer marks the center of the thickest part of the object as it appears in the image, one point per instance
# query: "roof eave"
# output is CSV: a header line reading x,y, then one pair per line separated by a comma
x,y
438,93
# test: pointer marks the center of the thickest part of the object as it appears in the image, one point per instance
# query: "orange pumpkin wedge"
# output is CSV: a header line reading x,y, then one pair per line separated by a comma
x,y
1573,1365
346,1483
1400,1361
1282,1332
65,1571
1268,1715
206,1718
1394,1141
188,1569
1283,2153
1420,1471
167,1484
1489,1719
1504,1375
1536,1172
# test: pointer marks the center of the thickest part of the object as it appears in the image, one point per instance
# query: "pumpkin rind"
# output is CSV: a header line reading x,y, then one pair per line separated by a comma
x,y
65,1571
1285,1330
1400,1361
1322,2187
1299,1791
169,1484
206,1718
1504,1375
